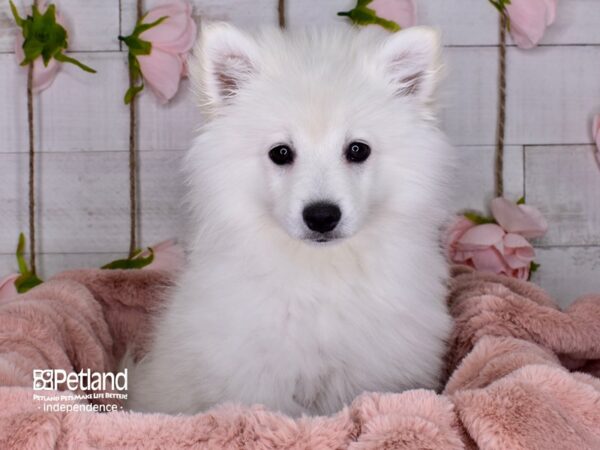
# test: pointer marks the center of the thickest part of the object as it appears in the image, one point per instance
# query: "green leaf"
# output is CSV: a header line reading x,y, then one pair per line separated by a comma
x,y
44,36
136,45
497,5
533,267
21,255
27,279
131,93
363,15
500,5
135,74
15,13
47,54
521,201
67,59
31,49
389,25
478,219
26,282
141,27
136,262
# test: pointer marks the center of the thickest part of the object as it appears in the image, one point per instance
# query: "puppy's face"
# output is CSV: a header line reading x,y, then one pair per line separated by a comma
x,y
321,128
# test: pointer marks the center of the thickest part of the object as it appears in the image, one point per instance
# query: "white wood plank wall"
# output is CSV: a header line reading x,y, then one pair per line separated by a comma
x,y
82,131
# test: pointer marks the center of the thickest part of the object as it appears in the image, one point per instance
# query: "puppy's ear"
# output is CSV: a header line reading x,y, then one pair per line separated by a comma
x,y
410,58
224,59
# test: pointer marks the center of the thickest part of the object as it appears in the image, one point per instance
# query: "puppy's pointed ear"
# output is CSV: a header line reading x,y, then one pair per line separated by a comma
x,y
224,59
410,59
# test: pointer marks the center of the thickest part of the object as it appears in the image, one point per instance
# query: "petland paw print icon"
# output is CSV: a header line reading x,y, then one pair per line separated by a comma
x,y
42,379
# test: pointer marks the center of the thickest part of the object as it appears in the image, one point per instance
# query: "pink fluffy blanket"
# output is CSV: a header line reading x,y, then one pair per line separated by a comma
x,y
522,375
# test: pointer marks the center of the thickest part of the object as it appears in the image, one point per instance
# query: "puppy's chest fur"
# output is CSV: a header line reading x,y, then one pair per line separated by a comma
x,y
308,339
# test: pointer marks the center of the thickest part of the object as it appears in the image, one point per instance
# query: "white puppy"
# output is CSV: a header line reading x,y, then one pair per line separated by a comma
x,y
318,188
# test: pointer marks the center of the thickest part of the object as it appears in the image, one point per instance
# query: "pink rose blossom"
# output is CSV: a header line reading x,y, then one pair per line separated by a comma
x,y
8,289
529,20
171,40
454,231
403,12
489,248
168,256
518,255
596,134
521,219
498,248
43,76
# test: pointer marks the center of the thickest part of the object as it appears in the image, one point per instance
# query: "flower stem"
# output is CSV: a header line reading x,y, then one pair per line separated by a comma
x,y
281,13
31,169
133,165
501,118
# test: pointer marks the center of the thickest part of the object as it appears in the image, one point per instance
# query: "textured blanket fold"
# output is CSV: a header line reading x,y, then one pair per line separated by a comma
x,y
511,383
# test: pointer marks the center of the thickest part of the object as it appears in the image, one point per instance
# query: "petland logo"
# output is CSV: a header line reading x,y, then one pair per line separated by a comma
x,y
84,380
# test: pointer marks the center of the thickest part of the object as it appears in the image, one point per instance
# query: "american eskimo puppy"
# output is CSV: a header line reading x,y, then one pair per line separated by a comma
x,y
317,186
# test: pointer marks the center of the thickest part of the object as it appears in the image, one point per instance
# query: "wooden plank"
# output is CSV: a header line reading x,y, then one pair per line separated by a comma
x,y
79,111
83,200
576,23
475,177
171,126
564,182
83,197
13,107
244,13
84,112
552,94
301,13
93,24
468,95
468,22
162,190
548,102
568,272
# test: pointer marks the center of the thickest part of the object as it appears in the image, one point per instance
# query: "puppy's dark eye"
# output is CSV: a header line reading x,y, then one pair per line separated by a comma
x,y
357,152
281,155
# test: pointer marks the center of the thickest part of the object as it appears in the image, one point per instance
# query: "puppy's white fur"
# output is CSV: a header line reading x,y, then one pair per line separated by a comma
x,y
262,314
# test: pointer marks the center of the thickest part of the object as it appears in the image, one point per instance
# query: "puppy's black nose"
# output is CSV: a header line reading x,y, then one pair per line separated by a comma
x,y
322,216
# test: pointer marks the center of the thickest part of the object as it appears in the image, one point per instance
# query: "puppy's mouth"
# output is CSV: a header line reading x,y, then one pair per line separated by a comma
x,y
323,238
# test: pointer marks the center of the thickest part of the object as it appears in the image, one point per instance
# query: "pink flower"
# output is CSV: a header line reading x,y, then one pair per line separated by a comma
x,y
498,248
518,255
454,231
529,19
171,40
168,257
403,12
596,134
8,289
521,219
489,248
43,76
